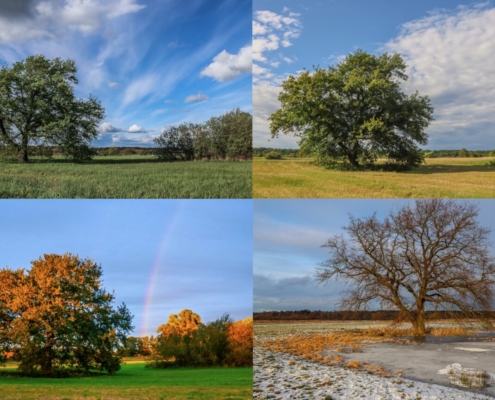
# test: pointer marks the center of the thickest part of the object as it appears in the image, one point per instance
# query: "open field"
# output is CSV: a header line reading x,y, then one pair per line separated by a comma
x,y
361,359
125,177
134,381
439,177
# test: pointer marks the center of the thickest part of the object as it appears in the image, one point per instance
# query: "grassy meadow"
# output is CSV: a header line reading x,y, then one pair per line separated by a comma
x,y
439,177
134,381
130,177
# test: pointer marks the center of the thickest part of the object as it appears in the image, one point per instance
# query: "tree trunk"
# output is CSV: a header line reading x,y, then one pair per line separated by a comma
x,y
353,159
419,324
23,156
47,366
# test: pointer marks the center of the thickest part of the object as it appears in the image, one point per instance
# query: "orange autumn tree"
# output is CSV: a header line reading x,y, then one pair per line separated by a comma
x,y
241,343
185,341
57,317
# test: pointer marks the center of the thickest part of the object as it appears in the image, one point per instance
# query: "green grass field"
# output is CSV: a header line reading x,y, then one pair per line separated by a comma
x,y
125,177
134,381
439,177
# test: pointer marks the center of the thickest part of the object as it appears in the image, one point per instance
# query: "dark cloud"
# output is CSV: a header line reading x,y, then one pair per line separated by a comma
x,y
294,293
16,9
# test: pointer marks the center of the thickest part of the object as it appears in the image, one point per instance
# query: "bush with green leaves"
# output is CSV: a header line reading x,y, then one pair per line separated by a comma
x,y
227,137
273,155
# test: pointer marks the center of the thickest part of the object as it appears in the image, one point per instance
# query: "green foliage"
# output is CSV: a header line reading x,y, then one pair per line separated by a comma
x,y
205,345
273,155
227,137
59,318
50,115
262,151
355,112
463,153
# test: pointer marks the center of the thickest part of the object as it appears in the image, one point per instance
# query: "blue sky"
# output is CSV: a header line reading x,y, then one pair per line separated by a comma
x,y
449,46
152,63
169,254
288,235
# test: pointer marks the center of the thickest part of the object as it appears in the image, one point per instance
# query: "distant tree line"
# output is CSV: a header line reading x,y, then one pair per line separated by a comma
x,y
377,315
263,151
227,137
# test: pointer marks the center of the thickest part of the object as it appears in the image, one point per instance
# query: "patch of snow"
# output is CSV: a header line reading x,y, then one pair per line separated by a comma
x,y
472,349
282,376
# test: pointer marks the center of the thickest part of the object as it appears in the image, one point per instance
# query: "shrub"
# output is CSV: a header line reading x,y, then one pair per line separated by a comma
x,y
273,155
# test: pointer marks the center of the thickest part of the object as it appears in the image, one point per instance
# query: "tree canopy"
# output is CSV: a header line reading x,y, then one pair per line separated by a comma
x,y
56,316
355,112
38,107
227,137
433,256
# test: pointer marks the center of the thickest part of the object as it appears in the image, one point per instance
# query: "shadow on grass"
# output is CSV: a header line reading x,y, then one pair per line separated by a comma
x,y
449,169
100,161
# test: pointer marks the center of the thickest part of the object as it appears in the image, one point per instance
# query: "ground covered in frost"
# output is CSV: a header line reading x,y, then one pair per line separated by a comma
x,y
281,376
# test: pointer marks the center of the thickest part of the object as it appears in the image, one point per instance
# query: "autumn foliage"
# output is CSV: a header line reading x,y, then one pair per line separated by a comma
x,y
56,317
185,341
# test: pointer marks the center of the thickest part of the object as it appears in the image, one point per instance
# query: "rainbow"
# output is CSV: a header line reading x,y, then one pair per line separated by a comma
x,y
169,229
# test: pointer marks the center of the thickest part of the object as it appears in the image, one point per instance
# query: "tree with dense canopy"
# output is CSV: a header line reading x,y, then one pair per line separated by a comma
x,y
355,112
56,317
227,137
433,256
38,108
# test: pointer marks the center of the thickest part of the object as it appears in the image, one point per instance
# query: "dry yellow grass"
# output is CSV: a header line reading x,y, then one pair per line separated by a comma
x,y
439,177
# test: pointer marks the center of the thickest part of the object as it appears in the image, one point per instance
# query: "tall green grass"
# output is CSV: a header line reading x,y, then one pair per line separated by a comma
x,y
134,381
126,177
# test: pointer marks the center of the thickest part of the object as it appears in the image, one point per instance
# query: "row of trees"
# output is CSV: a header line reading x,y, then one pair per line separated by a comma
x,y
227,137
264,151
185,341
56,317
343,315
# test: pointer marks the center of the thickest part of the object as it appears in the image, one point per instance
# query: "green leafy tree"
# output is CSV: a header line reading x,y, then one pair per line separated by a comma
x,y
57,316
355,112
38,107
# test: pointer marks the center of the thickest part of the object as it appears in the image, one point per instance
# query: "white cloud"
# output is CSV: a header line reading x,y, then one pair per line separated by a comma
x,y
108,127
136,129
226,66
272,30
450,57
168,101
49,19
113,85
196,98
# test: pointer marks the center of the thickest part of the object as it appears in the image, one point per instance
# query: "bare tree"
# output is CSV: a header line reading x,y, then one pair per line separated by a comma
x,y
434,255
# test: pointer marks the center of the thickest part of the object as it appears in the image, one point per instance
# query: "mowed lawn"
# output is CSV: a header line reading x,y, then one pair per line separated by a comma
x,y
134,381
439,177
126,177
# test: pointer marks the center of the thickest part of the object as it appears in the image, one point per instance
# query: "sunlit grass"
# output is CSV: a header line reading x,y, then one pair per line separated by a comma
x,y
126,177
134,381
439,177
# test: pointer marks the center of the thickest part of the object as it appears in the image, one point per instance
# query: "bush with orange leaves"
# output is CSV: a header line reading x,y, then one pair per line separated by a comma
x,y
241,344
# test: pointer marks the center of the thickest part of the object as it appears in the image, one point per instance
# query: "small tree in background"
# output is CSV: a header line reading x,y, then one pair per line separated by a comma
x,y
227,137
38,108
355,112
433,256
56,316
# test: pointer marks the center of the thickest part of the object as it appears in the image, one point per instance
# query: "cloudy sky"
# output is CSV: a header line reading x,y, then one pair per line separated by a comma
x,y
158,256
288,235
152,63
449,46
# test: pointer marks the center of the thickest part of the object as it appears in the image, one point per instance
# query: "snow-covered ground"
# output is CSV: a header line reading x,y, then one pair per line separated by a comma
x,y
281,376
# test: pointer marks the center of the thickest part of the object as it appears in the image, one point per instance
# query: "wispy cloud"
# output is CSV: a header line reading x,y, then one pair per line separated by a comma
x,y
196,98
